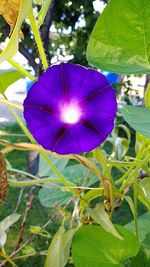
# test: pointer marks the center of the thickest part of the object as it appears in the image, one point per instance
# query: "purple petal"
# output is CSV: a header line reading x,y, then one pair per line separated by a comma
x,y
70,90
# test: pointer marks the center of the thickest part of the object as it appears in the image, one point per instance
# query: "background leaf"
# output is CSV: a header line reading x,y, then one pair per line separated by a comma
x,y
93,246
79,175
9,221
7,77
120,39
51,197
138,118
5,225
45,170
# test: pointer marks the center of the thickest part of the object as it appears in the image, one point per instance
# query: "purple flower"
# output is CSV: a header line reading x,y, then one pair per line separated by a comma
x,y
70,109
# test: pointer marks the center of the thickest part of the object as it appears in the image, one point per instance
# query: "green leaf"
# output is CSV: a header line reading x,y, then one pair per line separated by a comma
x,y
140,260
3,238
120,39
59,250
143,225
7,77
89,196
100,216
144,192
51,197
140,141
5,225
138,118
12,47
131,204
44,169
93,246
9,221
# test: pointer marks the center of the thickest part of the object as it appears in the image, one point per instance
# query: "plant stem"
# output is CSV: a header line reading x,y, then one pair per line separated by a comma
x,y
136,162
43,12
38,39
23,173
7,102
14,183
135,206
22,70
5,256
134,174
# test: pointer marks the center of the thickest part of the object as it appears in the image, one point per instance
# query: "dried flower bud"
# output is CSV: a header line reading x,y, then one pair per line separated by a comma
x,y
9,9
3,179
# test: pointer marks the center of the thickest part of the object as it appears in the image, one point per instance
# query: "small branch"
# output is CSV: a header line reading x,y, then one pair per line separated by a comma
x,y
38,40
19,199
32,237
21,228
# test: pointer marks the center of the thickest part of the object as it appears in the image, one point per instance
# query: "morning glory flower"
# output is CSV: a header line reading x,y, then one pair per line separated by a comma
x,y
70,109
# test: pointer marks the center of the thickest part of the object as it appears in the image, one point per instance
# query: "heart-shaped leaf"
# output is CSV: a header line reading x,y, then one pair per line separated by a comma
x,y
120,41
51,197
138,118
93,246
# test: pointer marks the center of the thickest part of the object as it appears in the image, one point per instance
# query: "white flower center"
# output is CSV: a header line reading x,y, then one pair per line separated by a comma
x,y
70,114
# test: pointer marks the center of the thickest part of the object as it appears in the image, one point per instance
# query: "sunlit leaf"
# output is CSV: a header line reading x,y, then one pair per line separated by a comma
x,y
12,46
101,217
93,246
7,77
58,252
138,118
120,39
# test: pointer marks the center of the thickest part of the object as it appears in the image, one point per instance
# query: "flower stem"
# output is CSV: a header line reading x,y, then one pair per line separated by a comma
x,y
22,70
43,12
135,206
38,39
